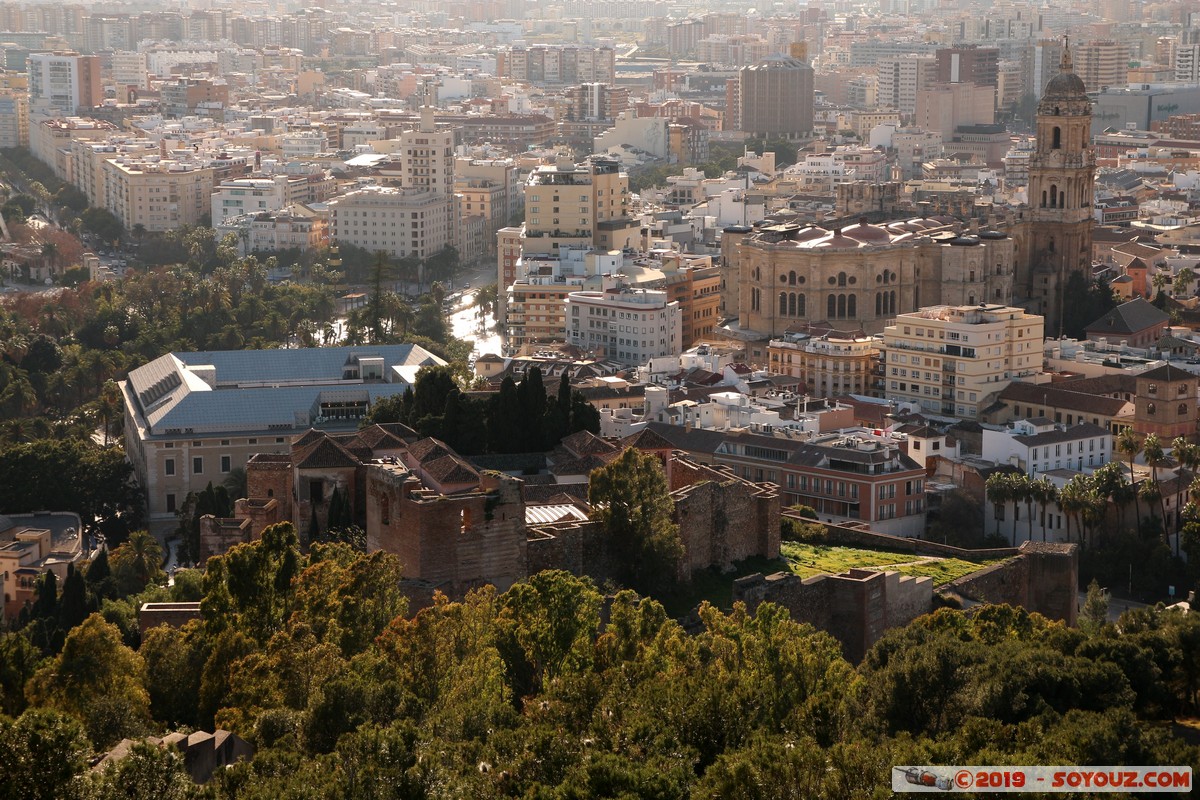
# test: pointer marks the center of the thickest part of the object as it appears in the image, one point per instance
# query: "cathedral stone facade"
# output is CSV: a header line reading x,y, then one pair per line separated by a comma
x,y
783,275
860,276
1054,239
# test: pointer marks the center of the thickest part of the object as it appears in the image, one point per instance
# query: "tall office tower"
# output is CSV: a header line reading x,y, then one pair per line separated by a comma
x,y
777,98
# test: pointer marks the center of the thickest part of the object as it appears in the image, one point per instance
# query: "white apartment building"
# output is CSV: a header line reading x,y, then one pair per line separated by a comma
x,y
622,324
400,222
300,145
900,78
130,69
953,360
239,196
1187,64
296,227
64,82
1039,445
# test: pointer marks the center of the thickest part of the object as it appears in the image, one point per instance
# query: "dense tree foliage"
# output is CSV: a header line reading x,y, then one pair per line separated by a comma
x,y
550,691
632,501
520,418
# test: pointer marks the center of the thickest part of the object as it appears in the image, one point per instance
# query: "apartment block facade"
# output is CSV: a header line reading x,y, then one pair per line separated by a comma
x,y
159,195
955,360
624,324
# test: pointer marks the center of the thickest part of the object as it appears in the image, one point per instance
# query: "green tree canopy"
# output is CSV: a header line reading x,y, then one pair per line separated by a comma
x,y
631,500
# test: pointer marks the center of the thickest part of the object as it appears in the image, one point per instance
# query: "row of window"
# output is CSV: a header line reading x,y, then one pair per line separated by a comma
x,y
223,442
197,465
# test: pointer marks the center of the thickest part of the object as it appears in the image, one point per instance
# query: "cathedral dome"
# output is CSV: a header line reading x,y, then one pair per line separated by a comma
x,y
1066,85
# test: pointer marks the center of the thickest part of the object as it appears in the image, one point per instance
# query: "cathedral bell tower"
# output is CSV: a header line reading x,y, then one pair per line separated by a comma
x,y
1062,173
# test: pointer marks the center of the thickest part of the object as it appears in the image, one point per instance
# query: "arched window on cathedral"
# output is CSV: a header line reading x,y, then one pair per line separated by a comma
x,y
792,304
831,307
792,278
1056,143
879,304
1043,198
801,309
783,303
852,306
841,279
970,299
841,306
1054,195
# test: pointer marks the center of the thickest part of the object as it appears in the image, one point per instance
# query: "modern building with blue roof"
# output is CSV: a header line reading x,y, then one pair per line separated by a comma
x,y
192,418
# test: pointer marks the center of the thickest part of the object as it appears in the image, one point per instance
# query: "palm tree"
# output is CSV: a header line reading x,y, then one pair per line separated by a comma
x,y
1110,482
1148,492
1044,492
145,555
1185,279
50,255
1094,506
15,431
1129,445
999,492
1071,501
1153,449
1022,490
109,405
1160,281
235,483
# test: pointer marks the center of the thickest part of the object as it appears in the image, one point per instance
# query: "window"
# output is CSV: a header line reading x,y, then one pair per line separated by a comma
x,y
1183,409
169,467
316,491
1152,389
225,465
171,504
197,465
1151,408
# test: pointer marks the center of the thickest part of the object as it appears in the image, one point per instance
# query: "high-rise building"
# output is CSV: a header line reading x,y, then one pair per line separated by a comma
x,y
419,218
969,64
64,82
1057,242
776,98
14,119
900,78
954,360
1103,63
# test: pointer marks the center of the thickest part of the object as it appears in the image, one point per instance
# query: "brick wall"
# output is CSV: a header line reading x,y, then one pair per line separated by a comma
x,y
1043,578
857,607
454,542
721,523
218,535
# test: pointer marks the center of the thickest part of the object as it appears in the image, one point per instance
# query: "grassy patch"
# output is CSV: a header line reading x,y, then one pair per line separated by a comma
x,y
807,560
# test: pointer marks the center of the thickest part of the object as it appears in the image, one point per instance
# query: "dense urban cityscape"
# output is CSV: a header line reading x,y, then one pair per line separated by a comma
x,y
548,400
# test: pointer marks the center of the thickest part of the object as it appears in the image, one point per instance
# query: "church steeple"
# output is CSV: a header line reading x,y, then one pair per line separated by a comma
x,y
1062,173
